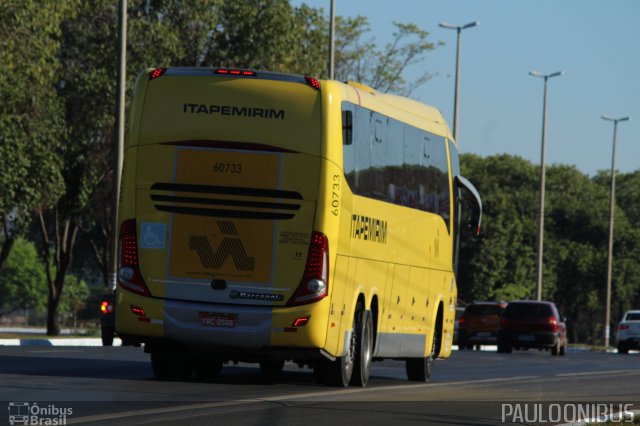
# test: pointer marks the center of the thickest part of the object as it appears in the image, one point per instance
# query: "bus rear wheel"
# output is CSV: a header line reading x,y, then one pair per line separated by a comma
x,y
364,348
340,372
208,368
419,369
271,369
171,365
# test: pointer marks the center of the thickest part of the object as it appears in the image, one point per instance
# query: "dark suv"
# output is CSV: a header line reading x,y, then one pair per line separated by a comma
x,y
479,324
529,324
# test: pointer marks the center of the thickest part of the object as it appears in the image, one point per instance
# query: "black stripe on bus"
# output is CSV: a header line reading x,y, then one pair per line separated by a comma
x,y
240,146
226,190
232,214
234,203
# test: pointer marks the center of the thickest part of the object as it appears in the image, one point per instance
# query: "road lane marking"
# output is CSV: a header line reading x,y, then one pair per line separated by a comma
x,y
591,373
208,405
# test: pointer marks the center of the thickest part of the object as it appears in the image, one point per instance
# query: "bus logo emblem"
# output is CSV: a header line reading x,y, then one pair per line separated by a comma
x,y
231,245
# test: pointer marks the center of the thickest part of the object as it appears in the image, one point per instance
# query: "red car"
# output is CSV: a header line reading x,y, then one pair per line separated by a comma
x,y
479,324
531,324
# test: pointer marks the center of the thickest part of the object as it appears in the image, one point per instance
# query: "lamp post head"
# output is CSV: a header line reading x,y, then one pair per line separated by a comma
x,y
615,120
545,76
447,25
455,27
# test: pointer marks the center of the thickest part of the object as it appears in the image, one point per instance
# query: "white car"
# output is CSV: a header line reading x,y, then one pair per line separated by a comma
x,y
628,332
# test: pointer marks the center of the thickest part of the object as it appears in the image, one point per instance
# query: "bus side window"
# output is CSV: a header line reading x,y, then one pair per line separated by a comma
x,y
347,127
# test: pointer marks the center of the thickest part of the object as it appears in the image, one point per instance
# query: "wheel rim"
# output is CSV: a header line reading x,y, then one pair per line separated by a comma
x,y
367,343
350,358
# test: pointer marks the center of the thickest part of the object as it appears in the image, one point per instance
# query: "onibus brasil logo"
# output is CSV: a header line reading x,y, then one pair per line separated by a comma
x,y
26,413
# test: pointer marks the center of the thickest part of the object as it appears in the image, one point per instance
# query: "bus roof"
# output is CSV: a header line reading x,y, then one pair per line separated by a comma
x,y
407,105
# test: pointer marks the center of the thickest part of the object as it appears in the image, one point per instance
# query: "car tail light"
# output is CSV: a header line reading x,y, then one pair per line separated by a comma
x,y
553,322
462,320
315,281
106,307
129,275
623,327
158,72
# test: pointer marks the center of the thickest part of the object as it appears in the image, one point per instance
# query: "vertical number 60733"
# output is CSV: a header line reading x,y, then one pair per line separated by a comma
x,y
335,195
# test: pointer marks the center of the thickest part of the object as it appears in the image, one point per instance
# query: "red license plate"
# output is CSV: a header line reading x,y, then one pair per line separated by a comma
x,y
212,319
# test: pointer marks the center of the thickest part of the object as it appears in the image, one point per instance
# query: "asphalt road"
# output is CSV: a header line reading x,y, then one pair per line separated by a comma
x,y
115,385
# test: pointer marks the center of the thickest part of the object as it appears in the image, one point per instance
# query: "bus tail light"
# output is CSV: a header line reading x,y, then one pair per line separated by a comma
x,y
158,72
315,281
129,275
313,82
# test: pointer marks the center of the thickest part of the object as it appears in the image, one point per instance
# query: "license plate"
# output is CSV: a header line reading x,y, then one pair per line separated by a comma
x,y
212,319
483,334
526,338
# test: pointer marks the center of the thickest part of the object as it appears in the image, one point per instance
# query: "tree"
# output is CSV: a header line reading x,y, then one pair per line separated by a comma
x,y
625,283
23,282
383,69
31,114
269,35
500,264
73,299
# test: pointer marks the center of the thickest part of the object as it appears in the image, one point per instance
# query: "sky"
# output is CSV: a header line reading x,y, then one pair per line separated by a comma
x,y
595,42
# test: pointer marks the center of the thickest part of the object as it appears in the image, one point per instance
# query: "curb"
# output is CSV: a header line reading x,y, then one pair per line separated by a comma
x,y
82,341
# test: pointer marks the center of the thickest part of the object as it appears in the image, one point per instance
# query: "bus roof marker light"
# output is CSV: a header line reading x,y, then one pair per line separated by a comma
x,y
313,82
235,72
158,72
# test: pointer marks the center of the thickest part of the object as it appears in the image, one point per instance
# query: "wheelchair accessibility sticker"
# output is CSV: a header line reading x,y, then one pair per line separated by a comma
x,y
153,235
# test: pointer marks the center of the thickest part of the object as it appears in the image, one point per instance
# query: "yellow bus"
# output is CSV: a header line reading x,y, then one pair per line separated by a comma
x,y
267,217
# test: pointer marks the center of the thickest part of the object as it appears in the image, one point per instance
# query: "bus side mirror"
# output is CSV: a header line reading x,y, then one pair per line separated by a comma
x,y
471,203
347,127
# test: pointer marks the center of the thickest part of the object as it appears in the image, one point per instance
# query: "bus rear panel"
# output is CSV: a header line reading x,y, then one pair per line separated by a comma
x,y
224,190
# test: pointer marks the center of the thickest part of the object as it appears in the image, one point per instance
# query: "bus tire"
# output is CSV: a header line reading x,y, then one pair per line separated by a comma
x,y
171,365
364,348
271,369
107,334
338,373
207,368
419,369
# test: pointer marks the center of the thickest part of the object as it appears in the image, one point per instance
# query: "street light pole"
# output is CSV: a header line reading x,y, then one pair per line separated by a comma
x,y
455,98
332,36
612,204
119,144
542,179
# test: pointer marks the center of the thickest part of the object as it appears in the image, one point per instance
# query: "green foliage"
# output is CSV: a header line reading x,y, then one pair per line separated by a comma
x,y
22,281
501,264
31,117
73,299
383,69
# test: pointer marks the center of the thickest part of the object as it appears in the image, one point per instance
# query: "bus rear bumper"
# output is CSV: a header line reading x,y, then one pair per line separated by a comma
x,y
225,327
